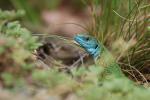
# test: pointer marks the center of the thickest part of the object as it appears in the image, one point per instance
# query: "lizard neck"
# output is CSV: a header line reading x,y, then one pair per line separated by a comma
x,y
105,59
111,67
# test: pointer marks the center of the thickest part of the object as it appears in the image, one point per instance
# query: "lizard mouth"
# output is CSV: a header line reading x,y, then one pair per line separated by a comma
x,y
77,44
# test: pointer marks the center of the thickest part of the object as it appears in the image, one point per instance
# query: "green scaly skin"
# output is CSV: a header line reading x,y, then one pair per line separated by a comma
x,y
111,67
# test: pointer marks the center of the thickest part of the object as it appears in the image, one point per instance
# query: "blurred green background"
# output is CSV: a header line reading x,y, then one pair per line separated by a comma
x,y
123,26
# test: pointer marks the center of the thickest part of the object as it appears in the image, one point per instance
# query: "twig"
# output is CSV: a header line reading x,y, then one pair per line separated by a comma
x,y
137,71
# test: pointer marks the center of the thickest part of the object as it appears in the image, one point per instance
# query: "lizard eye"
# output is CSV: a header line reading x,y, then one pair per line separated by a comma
x,y
96,46
87,38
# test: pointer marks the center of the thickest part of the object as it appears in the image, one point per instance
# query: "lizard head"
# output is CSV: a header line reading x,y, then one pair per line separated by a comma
x,y
89,43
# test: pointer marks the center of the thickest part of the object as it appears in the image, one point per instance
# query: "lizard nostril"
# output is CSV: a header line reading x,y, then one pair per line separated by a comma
x,y
96,46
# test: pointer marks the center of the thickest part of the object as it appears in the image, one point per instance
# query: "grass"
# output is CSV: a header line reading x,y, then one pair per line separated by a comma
x,y
123,24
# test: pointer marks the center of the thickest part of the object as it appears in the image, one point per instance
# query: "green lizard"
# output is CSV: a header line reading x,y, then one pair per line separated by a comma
x,y
100,54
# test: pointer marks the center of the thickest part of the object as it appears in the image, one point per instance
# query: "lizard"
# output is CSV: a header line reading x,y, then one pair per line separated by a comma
x,y
100,54
98,51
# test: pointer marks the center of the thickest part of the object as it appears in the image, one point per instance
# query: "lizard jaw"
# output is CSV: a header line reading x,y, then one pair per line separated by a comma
x,y
76,43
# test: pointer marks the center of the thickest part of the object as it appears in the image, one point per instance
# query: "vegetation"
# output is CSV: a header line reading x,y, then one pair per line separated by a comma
x,y
128,29
125,22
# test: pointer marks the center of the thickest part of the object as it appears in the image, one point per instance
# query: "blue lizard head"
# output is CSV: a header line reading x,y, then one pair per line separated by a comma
x,y
89,43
